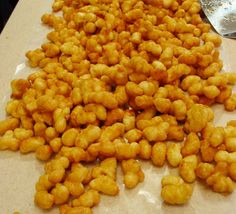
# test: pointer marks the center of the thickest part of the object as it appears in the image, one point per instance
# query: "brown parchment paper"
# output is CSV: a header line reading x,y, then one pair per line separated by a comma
x,y
19,173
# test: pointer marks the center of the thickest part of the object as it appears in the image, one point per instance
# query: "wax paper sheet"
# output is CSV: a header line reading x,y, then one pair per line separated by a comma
x,y
19,173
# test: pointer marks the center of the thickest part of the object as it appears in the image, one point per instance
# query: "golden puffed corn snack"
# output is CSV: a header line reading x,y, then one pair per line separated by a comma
x,y
105,185
173,154
158,154
107,167
175,191
117,81
66,209
133,173
187,168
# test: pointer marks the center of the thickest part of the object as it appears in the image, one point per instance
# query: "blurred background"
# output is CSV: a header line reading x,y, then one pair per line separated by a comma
x,y
6,8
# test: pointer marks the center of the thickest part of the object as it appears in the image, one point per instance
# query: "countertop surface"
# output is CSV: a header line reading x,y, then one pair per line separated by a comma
x,y
19,173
